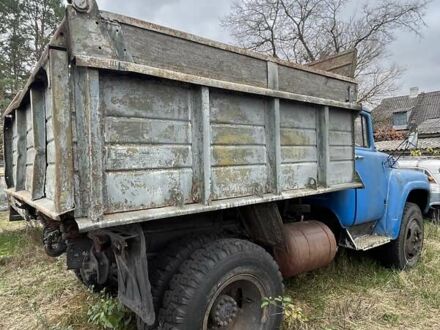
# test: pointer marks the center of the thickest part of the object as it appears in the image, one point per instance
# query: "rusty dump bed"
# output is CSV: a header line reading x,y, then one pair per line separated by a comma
x,y
125,121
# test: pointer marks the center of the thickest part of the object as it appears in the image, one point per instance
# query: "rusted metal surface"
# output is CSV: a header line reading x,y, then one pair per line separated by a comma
x,y
119,132
115,219
109,64
308,245
342,63
264,223
62,129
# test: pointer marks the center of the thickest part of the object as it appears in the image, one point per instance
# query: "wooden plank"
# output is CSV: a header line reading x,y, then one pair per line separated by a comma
x,y
323,146
234,108
298,154
317,86
297,137
228,134
340,120
49,130
39,141
342,63
147,157
148,131
238,155
338,138
237,181
144,97
341,172
29,138
297,115
341,153
50,156
62,129
30,157
50,182
192,58
297,176
29,175
272,75
147,189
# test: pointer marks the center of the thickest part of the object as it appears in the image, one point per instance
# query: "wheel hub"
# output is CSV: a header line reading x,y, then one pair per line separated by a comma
x,y
413,240
224,310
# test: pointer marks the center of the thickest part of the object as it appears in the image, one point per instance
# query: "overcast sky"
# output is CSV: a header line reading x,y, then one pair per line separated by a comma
x,y
419,56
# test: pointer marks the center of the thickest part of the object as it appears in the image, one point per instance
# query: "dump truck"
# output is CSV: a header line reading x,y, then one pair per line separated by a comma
x,y
191,176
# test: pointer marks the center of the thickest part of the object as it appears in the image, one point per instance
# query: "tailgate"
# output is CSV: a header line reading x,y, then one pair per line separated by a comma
x,y
39,167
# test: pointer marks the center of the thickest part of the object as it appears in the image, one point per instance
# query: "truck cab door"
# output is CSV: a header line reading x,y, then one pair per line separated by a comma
x,y
370,200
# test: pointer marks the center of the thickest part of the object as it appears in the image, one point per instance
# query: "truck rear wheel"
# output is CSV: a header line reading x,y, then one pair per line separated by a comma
x,y
167,263
222,286
405,251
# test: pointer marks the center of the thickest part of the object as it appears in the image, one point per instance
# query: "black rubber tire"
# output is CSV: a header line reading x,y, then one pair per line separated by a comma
x,y
393,254
167,263
194,286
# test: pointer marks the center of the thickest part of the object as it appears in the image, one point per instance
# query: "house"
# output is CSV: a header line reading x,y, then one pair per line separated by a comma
x,y
416,115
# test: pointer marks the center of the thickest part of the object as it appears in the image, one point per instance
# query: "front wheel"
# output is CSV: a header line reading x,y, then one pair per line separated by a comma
x,y
222,286
405,251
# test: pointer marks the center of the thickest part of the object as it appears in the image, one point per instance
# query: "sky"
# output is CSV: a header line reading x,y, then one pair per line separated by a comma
x,y
419,56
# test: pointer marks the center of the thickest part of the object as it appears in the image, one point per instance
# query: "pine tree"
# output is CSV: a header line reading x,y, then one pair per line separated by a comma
x,y
25,29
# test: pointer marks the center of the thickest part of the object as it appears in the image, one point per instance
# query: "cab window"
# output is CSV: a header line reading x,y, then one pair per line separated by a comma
x,y
361,132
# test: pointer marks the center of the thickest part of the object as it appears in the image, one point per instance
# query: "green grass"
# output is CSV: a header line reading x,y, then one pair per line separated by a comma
x,y
354,292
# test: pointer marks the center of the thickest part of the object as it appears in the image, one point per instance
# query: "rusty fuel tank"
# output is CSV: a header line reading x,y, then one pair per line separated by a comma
x,y
308,245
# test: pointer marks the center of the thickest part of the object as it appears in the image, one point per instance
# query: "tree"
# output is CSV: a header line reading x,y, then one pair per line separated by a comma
x,y
25,27
308,30
41,19
13,49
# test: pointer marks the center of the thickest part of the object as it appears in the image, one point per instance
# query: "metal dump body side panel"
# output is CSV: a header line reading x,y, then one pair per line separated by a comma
x,y
169,144
39,166
137,122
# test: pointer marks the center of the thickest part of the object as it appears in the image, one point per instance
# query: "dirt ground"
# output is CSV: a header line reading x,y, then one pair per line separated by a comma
x,y
355,292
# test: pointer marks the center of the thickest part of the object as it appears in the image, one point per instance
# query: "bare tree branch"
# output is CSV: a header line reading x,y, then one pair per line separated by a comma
x,y
307,30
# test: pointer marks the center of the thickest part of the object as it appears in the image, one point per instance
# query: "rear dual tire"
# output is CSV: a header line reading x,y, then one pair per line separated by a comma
x,y
221,286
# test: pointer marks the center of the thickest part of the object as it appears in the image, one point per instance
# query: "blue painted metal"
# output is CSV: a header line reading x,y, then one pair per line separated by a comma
x,y
385,192
401,182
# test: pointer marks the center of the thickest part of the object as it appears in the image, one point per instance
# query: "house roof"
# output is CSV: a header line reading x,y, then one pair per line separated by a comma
x,y
424,107
430,126
422,144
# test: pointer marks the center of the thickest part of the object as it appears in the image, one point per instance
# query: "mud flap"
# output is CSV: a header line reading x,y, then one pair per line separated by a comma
x,y
134,289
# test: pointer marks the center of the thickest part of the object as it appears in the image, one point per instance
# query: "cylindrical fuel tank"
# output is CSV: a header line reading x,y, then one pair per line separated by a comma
x,y
307,245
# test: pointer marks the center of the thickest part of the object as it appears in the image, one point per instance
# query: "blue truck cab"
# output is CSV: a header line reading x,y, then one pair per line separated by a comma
x,y
387,211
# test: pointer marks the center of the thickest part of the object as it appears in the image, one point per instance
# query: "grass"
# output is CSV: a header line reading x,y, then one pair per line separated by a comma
x,y
354,292
36,292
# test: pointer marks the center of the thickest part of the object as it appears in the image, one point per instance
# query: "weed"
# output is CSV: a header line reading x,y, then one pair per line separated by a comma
x,y
292,314
109,313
